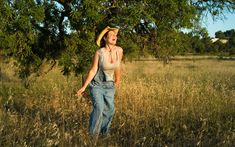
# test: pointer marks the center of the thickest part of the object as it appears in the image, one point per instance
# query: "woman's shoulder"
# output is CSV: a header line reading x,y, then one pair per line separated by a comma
x,y
119,49
99,51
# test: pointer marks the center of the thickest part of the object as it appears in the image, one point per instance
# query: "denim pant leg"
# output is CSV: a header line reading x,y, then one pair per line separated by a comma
x,y
97,113
108,111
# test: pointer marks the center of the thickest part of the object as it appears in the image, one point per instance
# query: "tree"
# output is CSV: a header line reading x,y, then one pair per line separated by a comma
x,y
230,34
36,31
228,47
219,34
18,35
232,45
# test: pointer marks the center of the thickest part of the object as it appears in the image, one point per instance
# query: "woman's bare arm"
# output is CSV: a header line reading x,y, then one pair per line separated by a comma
x,y
118,70
91,74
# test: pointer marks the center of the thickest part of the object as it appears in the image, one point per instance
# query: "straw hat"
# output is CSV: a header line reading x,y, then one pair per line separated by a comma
x,y
105,30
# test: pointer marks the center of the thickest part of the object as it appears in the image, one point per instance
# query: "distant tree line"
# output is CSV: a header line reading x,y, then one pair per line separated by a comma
x,y
201,43
37,31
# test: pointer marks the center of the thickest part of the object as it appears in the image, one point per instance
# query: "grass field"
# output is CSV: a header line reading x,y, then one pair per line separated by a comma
x,y
184,103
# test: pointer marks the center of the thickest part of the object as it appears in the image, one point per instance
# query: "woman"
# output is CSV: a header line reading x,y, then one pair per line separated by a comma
x,y
106,65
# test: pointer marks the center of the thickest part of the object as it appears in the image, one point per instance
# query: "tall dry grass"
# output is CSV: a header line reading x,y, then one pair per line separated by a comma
x,y
184,103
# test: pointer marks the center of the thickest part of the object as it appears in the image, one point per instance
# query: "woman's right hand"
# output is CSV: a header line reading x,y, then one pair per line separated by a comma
x,y
80,91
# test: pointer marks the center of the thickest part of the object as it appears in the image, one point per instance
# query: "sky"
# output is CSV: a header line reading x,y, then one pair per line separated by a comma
x,y
213,26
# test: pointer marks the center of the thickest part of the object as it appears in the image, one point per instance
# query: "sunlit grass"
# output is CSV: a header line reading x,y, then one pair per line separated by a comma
x,y
184,103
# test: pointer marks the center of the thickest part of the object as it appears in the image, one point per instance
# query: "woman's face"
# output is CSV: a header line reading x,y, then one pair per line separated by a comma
x,y
111,38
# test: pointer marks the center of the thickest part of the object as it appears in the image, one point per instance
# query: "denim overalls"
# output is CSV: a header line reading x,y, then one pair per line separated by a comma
x,y
102,94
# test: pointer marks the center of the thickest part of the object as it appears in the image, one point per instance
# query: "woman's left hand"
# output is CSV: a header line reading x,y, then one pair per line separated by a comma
x,y
80,91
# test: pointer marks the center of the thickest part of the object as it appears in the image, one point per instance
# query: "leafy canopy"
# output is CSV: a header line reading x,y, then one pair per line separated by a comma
x,y
37,31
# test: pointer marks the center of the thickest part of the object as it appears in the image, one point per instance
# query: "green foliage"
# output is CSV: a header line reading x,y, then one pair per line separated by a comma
x,y
65,31
228,47
132,50
18,35
219,34
198,42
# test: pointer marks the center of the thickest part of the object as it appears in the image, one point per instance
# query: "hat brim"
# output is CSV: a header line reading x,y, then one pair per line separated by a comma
x,y
105,30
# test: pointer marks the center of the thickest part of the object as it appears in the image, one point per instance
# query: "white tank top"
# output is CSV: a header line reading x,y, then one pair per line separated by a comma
x,y
106,65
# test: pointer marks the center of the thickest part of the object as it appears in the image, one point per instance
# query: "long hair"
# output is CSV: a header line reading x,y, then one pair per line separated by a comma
x,y
102,41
